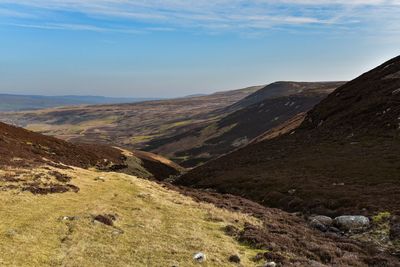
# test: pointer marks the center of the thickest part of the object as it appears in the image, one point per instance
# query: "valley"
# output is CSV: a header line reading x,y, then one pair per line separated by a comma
x,y
288,145
176,133
190,131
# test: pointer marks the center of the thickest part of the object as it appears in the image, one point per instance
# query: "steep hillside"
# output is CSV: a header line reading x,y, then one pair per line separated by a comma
x,y
345,156
282,89
60,211
243,121
23,148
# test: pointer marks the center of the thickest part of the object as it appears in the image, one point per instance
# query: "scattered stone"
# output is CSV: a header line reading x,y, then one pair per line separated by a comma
x,y
68,218
351,222
318,225
270,264
234,259
107,219
325,220
199,257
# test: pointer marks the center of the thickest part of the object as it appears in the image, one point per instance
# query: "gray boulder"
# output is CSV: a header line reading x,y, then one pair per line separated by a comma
x,y
350,223
325,220
318,225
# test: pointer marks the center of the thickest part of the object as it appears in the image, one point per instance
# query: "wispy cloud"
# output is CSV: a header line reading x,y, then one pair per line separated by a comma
x,y
73,27
217,14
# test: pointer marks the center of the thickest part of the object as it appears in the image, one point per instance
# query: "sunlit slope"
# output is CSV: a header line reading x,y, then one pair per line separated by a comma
x,y
150,225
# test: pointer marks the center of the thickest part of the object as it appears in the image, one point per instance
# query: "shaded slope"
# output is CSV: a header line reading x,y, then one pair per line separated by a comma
x,y
241,122
345,156
20,147
17,143
282,89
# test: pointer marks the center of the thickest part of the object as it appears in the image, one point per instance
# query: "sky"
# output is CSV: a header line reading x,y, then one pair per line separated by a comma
x,y
169,48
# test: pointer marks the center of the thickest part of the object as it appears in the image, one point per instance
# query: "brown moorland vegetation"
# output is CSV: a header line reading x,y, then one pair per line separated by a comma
x,y
343,158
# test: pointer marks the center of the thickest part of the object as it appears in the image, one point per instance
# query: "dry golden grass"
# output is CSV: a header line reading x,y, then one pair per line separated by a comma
x,y
154,226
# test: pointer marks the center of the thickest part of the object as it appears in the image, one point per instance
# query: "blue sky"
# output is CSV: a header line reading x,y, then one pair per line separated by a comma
x,y
172,48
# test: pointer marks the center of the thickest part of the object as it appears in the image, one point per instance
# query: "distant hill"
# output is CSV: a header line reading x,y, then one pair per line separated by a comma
x,y
344,157
31,102
131,124
190,130
236,125
284,89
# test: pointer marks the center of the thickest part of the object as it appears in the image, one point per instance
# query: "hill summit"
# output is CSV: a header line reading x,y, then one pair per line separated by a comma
x,y
344,157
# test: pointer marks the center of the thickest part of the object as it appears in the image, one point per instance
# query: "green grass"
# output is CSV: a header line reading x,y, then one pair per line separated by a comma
x,y
154,226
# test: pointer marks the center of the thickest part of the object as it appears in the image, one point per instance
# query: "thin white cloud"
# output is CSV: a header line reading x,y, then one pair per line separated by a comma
x,y
221,14
73,27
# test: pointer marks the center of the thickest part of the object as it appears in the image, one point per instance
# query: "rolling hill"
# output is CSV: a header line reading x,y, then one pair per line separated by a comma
x,y
128,125
343,158
10,102
190,130
62,205
241,122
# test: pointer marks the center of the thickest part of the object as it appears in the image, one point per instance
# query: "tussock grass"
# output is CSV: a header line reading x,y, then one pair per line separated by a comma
x,y
154,226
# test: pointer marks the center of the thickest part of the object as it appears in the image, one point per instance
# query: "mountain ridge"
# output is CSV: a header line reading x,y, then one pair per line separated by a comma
x,y
332,166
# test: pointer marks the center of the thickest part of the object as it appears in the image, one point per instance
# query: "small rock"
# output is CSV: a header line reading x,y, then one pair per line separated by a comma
x,y
325,220
68,218
234,258
200,257
270,264
351,222
107,219
318,225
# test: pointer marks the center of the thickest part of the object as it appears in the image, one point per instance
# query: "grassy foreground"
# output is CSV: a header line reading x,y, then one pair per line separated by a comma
x,y
153,227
